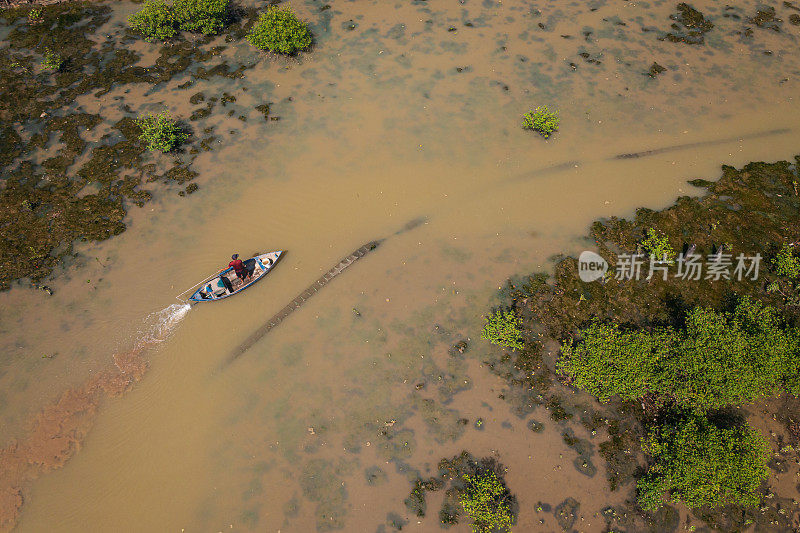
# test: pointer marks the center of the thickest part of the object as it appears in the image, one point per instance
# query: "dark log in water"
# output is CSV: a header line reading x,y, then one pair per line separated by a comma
x,y
635,155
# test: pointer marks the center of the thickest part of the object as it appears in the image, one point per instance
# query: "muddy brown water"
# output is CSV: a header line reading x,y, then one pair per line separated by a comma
x,y
377,127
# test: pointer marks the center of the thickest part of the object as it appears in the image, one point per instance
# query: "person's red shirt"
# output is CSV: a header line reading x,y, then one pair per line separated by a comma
x,y
237,265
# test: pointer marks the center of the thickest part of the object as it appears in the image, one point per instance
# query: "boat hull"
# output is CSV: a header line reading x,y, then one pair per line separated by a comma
x,y
226,284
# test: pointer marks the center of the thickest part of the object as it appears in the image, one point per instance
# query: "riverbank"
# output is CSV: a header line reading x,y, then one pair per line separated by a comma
x,y
746,217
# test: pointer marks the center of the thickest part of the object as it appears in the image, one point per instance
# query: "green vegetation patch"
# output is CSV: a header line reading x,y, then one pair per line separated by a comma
x,y
657,245
52,61
35,15
504,328
204,16
486,501
717,360
703,465
279,30
541,120
475,488
159,21
787,267
787,263
161,132
156,21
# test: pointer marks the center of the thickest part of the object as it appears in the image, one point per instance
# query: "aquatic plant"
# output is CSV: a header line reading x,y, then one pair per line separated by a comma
x,y
717,360
701,464
541,120
657,245
279,30
156,21
485,499
161,132
787,263
52,60
205,16
504,328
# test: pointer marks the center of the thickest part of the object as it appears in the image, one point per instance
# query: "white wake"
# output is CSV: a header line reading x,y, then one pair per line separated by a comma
x,y
158,326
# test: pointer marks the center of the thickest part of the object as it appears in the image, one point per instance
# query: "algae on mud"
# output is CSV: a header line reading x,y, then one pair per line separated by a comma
x,y
44,207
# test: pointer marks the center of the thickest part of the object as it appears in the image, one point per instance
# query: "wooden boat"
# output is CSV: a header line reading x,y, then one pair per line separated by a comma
x,y
226,283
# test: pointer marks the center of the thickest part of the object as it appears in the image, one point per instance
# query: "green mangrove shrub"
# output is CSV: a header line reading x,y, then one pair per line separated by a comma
x,y
160,132
787,263
700,464
717,360
35,15
156,21
279,30
205,16
657,245
504,328
541,120
787,266
485,500
52,61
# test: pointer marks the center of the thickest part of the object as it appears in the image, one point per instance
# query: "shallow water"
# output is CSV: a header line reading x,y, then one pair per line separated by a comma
x,y
377,127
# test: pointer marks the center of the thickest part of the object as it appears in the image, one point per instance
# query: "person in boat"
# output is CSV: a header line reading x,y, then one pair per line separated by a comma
x,y
238,266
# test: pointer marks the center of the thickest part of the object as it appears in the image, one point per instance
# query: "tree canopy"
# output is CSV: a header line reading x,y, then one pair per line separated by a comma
x,y
718,359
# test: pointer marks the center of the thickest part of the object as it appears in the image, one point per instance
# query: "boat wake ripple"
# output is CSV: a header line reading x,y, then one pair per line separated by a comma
x,y
158,326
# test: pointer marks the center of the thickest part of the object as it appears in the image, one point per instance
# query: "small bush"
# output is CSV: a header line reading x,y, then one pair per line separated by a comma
x,y
787,264
485,499
279,30
504,328
541,120
52,60
161,132
657,245
35,15
700,464
156,21
205,16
